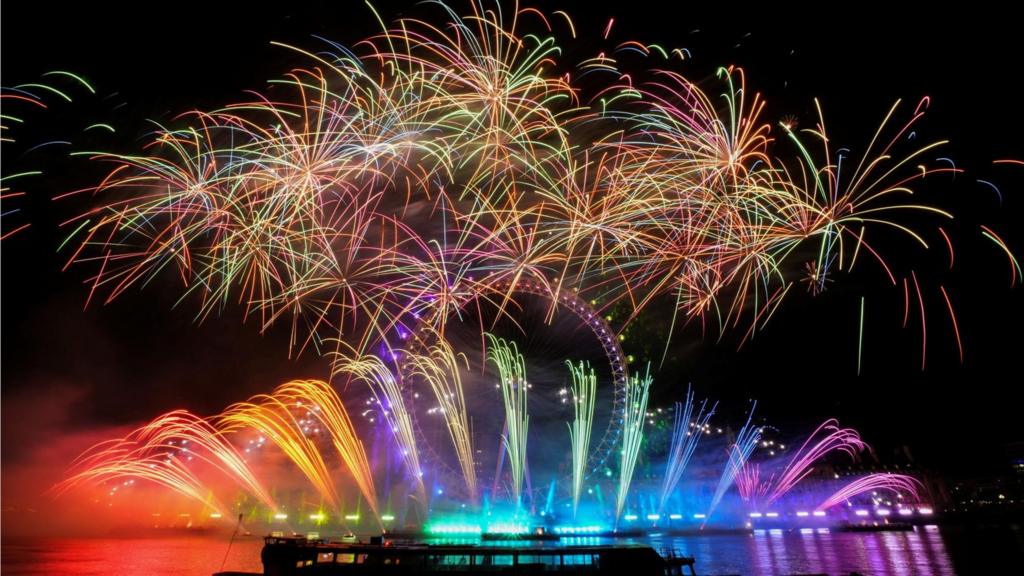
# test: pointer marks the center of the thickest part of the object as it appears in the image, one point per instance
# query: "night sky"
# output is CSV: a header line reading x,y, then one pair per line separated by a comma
x,y
140,355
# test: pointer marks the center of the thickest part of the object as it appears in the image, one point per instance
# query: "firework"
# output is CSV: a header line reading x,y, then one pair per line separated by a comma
x,y
686,434
161,452
739,453
440,369
584,394
633,418
835,439
196,435
440,161
828,438
388,393
292,417
21,104
895,483
330,413
514,392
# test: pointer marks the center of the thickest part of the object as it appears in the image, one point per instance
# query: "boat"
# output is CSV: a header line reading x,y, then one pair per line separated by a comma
x,y
291,555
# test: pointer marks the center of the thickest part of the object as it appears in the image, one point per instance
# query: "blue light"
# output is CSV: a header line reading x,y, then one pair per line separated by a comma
x,y
456,529
578,530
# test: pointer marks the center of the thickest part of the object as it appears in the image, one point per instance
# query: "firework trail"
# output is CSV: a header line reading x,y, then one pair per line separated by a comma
x,y
749,484
633,419
388,393
22,103
169,473
514,394
195,435
160,452
440,368
896,483
292,435
292,417
739,453
584,394
826,439
334,419
686,434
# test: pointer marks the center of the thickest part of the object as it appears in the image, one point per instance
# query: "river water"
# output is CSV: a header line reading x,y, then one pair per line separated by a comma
x,y
927,551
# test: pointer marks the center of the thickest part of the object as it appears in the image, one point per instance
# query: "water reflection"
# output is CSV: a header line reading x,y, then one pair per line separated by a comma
x,y
816,551
926,551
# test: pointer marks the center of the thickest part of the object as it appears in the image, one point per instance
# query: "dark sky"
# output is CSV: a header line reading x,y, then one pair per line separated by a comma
x,y
140,355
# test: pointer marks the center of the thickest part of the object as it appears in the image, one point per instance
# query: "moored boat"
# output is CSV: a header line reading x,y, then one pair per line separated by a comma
x,y
292,555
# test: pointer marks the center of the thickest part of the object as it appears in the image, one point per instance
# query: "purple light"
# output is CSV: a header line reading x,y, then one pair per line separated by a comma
x,y
925,511
906,511
819,513
861,512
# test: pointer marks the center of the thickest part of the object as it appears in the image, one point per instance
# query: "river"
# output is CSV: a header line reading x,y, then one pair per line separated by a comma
x,y
927,551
